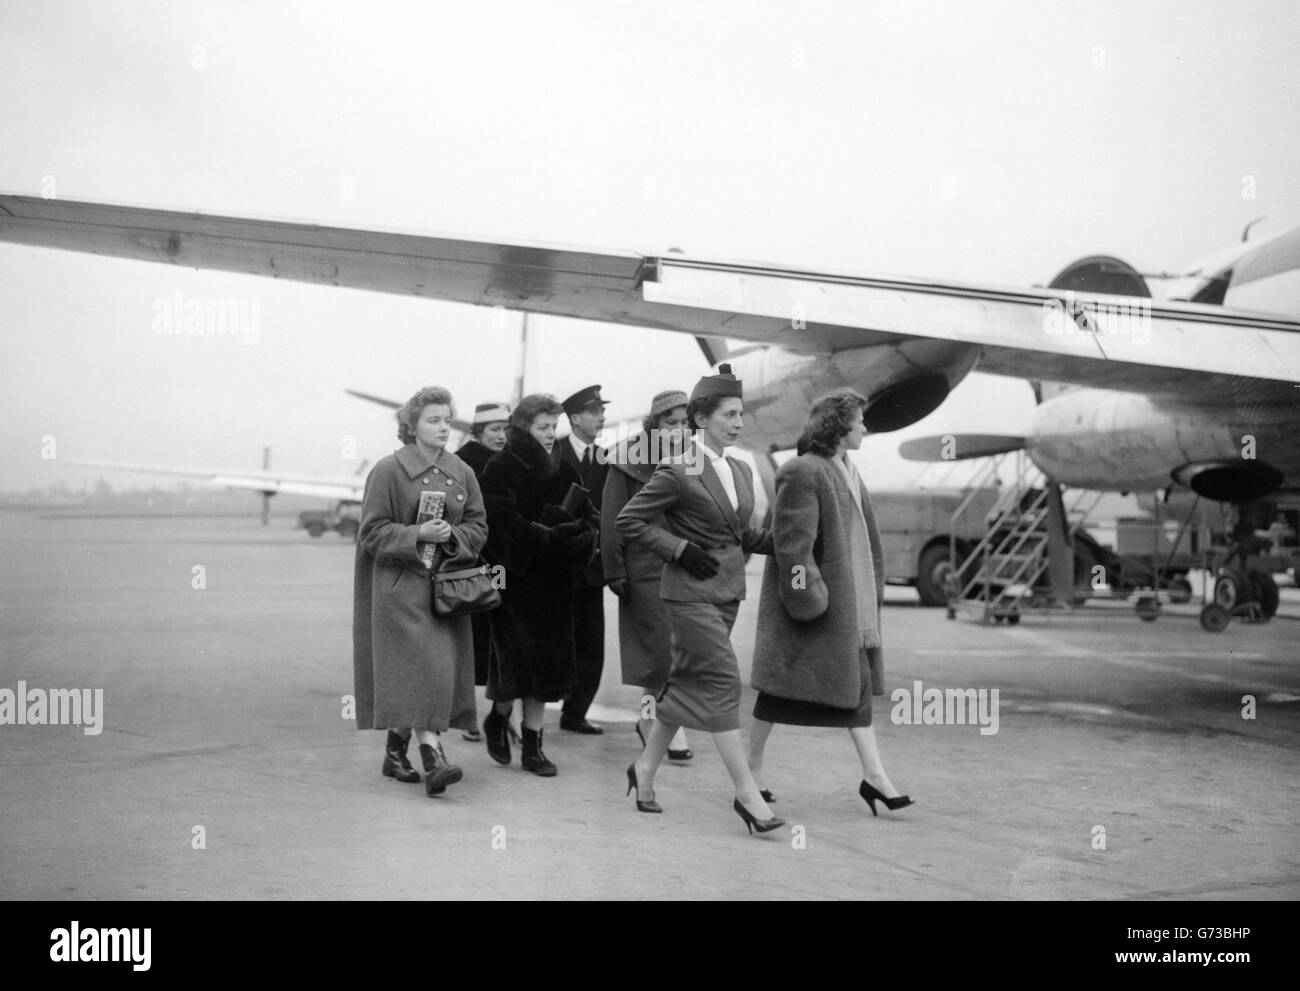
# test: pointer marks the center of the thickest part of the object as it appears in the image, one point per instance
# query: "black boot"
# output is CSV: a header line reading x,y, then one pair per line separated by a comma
x,y
395,763
438,774
532,757
496,731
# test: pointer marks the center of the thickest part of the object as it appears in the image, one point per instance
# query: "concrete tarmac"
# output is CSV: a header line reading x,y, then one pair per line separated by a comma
x,y
1122,766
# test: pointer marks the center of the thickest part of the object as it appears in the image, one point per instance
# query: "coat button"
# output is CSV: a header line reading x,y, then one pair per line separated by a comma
x,y
459,496
426,481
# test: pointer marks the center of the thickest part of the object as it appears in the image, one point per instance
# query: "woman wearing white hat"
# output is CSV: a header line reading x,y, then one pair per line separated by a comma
x,y
487,437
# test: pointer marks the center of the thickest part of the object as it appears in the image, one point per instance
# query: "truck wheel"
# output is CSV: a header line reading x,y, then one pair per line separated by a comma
x,y
932,571
315,529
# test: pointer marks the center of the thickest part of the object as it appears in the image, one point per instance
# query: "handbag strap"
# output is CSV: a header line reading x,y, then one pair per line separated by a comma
x,y
446,576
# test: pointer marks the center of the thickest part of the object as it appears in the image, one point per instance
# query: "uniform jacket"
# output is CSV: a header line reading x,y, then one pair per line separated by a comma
x,y
411,668
694,506
807,640
592,576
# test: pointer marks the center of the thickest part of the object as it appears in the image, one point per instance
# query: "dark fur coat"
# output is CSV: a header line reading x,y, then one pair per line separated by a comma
x,y
532,631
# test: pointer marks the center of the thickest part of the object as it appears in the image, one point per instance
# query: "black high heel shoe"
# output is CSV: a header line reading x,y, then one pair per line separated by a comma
x,y
893,804
651,805
753,822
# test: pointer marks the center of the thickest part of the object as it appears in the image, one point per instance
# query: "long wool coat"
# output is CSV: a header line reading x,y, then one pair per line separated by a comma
x,y
806,644
410,667
532,629
644,630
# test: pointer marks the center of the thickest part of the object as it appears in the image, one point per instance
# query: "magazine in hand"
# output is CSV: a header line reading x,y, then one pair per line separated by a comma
x,y
432,505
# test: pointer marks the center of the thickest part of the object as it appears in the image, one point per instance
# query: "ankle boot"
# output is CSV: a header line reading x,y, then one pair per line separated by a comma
x,y
396,764
438,774
532,758
496,733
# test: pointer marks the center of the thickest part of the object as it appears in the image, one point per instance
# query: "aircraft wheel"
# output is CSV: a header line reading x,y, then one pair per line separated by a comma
x,y
1266,593
1229,588
1214,618
1013,619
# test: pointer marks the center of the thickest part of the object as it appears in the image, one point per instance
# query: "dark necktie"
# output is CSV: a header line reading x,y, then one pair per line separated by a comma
x,y
586,464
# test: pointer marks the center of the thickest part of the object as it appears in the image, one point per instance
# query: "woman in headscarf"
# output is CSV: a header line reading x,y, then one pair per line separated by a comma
x,y
818,650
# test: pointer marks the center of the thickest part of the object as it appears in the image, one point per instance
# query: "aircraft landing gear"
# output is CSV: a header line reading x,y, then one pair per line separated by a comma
x,y
1250,596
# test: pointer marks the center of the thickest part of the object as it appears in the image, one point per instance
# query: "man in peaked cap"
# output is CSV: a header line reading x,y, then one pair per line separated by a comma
x,y
586,412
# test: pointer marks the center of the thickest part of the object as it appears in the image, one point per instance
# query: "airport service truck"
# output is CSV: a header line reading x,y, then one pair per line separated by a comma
x,y
915,526
344,519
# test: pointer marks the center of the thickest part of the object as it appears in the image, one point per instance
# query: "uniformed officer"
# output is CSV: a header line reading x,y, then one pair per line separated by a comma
x,y
586,412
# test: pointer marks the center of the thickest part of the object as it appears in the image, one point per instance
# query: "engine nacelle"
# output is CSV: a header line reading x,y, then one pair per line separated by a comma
x,y
1123,441
904,381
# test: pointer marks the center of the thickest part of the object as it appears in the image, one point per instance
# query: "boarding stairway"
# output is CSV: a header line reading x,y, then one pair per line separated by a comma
x,y
1007,572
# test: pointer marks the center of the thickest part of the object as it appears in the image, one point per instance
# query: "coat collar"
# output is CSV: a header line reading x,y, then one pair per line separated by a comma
x,y
527,449
414,463
709,475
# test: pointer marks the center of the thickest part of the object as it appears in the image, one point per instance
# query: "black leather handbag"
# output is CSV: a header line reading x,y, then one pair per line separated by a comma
x,y
460,589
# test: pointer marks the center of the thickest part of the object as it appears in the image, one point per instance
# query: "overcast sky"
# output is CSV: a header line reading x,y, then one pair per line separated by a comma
x,y
990,143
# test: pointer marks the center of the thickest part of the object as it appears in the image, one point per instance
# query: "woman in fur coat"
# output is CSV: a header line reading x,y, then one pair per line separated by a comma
x,y
540,546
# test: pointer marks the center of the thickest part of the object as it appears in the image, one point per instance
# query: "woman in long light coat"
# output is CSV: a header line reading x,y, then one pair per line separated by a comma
x,y
818,649
413,671
631,571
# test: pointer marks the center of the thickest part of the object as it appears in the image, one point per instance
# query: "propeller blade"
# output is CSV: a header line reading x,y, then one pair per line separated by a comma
x,y
390,403
959,447
1059,561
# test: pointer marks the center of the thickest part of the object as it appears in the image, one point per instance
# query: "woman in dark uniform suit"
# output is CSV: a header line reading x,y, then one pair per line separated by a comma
x,y
817,655
705,500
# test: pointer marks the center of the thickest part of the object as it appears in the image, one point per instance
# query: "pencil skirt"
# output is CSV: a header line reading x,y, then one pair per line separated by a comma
x,y
703,689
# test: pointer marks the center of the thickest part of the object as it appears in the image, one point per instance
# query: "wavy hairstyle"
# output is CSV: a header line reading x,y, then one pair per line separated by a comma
x,y
409,415
830,419
533,406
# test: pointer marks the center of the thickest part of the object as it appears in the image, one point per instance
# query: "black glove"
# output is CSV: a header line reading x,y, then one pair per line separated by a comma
x,y
698,562
564,531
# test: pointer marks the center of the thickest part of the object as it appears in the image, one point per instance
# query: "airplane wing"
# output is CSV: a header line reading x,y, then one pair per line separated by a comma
x,y
1118,342
340,488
